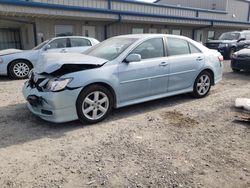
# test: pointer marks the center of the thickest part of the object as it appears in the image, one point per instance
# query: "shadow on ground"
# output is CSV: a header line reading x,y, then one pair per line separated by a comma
x,y
18,125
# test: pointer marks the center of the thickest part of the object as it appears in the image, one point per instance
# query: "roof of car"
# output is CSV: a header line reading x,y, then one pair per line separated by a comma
x,y
149,35
72,37
243,31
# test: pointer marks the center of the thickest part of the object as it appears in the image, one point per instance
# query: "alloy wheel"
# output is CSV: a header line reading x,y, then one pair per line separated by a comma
x,y
203,84
95,105
21,69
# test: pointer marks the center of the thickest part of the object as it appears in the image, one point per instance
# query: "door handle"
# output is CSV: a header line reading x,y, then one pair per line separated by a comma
x,y
163,64
63,51
199,59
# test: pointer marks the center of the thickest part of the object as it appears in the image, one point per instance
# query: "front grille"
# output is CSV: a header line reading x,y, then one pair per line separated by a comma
x,y
213,45
244,56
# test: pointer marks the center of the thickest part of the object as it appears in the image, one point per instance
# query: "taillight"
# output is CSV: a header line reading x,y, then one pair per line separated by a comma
x,y
221,58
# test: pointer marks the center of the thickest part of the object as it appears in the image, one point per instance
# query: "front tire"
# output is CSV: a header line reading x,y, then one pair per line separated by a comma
x,y
202,84
236,70
19,69
94,104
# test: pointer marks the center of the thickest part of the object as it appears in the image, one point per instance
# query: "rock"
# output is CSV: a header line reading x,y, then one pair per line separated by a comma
x,y
90,182
202,173
245,169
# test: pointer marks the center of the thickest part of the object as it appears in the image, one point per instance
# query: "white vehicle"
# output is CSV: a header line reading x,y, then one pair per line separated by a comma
x,y
18,63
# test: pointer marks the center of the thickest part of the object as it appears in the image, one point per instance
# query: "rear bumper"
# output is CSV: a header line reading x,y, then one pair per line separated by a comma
x,y
224,51
240,64
55,107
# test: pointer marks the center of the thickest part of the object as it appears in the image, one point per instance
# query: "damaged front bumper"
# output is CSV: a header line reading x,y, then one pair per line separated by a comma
x,y
52,106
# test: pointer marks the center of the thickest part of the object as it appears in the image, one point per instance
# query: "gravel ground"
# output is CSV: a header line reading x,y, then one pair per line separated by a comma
x,y
173,142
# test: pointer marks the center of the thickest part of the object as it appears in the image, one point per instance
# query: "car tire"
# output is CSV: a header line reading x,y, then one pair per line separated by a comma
x,y
231,52
236,70
202,84
19,69
94,104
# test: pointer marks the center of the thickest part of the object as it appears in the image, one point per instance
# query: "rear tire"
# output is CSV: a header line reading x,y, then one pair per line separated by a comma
x,y
202,84
19,69
94,104
236,70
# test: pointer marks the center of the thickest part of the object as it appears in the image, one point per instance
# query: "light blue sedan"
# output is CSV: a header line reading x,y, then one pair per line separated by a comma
x,y
18,63
118,72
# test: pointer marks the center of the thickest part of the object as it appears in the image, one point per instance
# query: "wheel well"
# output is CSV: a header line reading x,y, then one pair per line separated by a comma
x,y
106,86
8,67
211,73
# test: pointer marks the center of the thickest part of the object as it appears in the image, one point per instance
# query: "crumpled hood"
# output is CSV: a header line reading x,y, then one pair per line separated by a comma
x,y
9,51
51,62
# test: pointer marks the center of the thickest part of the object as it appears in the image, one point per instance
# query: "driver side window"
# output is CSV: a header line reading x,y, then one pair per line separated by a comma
x,y
58,43
151,48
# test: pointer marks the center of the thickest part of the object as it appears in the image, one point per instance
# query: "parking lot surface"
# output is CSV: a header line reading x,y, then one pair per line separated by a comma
x,y
173,142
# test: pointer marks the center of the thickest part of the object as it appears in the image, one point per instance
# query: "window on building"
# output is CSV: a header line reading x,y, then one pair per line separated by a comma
x,y
177,46
152,30
137,30
210,35
59,43
10,38
176,32
77,42
193,49
165,31
151,48
64,30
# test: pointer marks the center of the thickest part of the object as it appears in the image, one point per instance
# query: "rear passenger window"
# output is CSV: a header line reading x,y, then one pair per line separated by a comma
x,y
177,47
151,48
78,42
193,49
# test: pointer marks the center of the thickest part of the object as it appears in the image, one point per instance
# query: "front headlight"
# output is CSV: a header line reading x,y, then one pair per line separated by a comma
x,y
58,84
235,55
223,45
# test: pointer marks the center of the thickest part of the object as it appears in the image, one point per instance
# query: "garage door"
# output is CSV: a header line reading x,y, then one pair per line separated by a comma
x,y
9,38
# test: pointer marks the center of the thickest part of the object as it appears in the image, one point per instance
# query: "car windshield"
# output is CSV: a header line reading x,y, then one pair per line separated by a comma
x,y
230,36
111,48
38,47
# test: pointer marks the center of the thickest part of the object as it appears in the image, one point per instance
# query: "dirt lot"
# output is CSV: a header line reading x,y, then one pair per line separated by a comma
x,y
172,142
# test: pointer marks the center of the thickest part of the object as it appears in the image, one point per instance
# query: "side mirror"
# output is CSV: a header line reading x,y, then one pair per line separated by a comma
x,y
47,47
133,58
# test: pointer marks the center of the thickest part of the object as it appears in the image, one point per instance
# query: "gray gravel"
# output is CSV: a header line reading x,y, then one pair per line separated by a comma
x,y
173,142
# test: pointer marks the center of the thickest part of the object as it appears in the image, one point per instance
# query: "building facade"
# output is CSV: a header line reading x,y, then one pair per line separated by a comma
x,y
26,23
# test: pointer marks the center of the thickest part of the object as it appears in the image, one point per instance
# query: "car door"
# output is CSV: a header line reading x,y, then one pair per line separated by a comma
x,y
60,45
79,45
147,77
185,61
